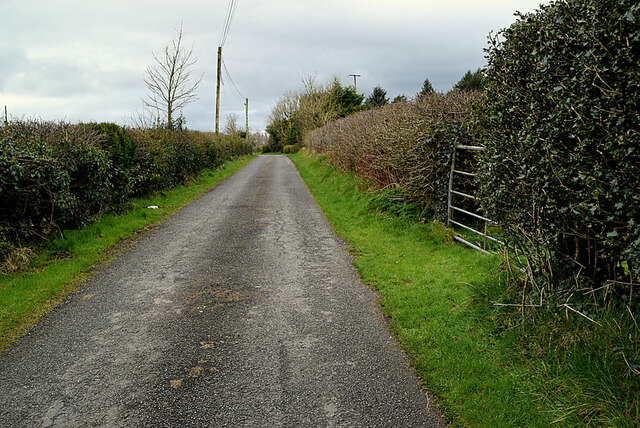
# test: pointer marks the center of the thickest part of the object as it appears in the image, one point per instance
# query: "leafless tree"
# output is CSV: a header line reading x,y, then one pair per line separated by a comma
x,y
169,79
231,126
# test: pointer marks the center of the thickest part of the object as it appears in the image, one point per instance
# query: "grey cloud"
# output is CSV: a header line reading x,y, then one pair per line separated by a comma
x,y
89,57
54,77
14,61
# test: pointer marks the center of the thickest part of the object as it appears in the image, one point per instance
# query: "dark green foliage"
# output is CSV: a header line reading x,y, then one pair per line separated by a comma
x,y
121,150
427,88
294,134
471,81
561,124
265,148
348,100
378,98
118,144
166,158
278,131
59,176
400,99
90,173
32,181
55,173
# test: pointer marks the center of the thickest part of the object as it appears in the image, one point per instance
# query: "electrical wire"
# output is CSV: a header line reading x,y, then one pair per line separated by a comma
x,y
231,11
226,70
226,22
233,14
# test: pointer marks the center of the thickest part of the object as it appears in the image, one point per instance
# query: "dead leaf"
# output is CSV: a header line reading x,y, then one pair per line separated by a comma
x,y
195,372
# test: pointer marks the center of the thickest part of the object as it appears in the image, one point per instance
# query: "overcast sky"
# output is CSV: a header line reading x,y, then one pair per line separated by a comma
x,y
83,60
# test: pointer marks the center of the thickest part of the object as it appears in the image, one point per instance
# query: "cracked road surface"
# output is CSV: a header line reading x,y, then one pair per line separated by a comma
x,y
242,309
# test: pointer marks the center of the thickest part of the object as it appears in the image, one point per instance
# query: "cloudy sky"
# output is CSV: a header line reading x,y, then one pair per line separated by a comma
x,y
83,60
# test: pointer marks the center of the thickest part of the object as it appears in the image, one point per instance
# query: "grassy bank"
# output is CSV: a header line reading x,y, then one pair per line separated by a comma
x,y
435,293
487,365
70,257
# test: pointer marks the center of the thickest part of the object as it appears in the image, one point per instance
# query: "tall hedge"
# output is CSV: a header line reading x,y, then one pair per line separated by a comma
x,y
405,145
561,121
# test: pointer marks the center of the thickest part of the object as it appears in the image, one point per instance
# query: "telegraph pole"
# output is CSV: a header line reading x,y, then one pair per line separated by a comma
x,y
218,91
355,88
246,115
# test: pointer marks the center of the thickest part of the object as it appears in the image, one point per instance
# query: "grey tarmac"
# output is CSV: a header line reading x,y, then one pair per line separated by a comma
x,y
243,309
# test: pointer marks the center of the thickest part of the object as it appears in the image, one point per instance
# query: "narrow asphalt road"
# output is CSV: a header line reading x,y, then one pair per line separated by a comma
x,y
241,310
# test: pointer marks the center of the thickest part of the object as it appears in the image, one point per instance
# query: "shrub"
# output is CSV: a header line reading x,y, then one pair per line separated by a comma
x,y
561,121
34,189
298,113
121,149
90,172
291,148
147,173
55,173
118,144
265,148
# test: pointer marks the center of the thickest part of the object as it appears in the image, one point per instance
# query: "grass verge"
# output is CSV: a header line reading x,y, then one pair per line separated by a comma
x,y
436,294
488,365
72,256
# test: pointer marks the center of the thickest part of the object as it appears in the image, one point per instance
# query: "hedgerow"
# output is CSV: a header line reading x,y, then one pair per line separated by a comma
x,y
559,118
561,170
405,145
57,176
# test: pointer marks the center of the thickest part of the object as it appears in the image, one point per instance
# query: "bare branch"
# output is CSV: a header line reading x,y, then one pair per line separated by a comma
x,y
169,79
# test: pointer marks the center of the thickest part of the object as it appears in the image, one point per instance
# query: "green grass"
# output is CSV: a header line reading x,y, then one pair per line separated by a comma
x,y
72,256
436,295
487,365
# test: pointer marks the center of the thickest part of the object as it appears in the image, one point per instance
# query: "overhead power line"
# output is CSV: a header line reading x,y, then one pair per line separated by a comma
x,y
226,70
231,11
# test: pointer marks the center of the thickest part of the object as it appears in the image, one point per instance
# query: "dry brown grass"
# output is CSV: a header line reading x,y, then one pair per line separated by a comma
x,y
18,259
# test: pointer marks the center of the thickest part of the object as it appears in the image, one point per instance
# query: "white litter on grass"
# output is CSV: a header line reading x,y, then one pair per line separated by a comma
x,y
153,207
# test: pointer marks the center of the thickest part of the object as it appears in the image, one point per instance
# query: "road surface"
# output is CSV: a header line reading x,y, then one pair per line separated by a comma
x,y
242,309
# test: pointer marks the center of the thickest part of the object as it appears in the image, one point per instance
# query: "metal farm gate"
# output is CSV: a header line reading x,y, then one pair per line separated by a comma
x,y
461,201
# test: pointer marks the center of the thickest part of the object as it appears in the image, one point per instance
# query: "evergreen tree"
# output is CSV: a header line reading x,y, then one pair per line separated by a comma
x,y
377,98
470,81
427,88
347,99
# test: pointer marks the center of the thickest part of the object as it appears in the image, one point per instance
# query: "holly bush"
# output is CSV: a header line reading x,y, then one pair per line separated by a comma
x,y
561,122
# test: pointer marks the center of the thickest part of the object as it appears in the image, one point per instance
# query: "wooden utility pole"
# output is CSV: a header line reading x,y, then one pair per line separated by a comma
x,y
218,91
246,115
355,88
